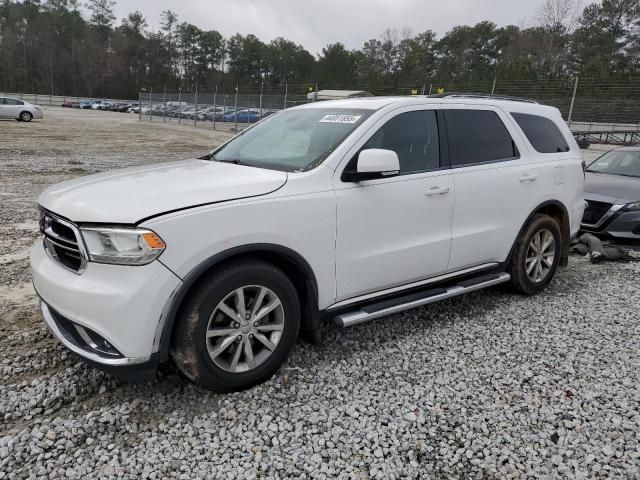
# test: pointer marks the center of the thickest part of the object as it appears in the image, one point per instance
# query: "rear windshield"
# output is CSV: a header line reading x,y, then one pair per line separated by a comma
x,y
292,140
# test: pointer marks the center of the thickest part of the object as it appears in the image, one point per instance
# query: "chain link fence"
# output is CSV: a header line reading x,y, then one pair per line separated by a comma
x,y
219,111
588,105
59,100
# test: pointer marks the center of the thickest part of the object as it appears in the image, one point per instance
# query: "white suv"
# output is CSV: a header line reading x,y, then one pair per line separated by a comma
x,y
341,211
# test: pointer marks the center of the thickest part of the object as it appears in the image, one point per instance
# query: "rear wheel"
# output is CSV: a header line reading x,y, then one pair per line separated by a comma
x,y
536,255
26,116
237,327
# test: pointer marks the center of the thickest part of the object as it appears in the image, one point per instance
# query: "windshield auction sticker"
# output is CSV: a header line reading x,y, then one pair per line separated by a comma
x,y
340,118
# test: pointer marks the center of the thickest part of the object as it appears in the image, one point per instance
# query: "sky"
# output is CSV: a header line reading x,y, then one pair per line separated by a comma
x,y
314,24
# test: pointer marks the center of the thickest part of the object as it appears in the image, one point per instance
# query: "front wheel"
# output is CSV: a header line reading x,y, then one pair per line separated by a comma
x,y
26,116
536,255
237,326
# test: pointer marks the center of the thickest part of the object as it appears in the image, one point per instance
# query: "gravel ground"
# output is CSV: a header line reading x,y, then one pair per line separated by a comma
x,y
483,386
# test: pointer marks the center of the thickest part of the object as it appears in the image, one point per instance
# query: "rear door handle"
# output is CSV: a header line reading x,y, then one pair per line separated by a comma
x,y
437,191
528,177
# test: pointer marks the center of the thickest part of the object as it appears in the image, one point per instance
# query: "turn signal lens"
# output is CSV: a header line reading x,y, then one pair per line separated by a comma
x,y
153,240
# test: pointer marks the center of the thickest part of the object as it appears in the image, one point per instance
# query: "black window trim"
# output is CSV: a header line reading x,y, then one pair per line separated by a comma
x,y
487,162
443,147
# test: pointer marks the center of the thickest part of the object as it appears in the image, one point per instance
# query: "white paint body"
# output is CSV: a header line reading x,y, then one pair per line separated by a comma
x,y
11,108
358,238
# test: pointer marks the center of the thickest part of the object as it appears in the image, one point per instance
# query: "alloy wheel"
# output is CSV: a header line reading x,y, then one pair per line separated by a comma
x,y
540,255
245,328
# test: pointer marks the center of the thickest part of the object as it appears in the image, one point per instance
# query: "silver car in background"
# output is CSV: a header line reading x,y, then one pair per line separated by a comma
x,y
19,109
612,193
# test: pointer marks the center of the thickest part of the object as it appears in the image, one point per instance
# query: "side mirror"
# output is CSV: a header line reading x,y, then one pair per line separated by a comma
x,y
374,163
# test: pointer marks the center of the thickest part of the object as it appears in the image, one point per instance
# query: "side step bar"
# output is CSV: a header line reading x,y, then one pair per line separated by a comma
x,y
389,307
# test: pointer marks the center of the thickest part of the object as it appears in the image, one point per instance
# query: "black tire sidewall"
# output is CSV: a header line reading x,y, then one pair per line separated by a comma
x,y
521,280
29,116
194,322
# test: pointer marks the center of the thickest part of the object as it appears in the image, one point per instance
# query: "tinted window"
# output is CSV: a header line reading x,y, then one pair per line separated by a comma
x,y
414,137
543,134
11,101
478,136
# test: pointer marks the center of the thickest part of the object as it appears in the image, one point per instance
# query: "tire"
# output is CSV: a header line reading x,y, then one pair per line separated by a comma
x,y
530,271
583,143
26,116
208,309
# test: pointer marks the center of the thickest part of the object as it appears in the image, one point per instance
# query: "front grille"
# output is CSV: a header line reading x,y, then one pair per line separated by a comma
x,y
63,242
595,211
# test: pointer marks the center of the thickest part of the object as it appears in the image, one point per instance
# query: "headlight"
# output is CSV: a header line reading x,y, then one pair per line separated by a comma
x,y
632,206
122,246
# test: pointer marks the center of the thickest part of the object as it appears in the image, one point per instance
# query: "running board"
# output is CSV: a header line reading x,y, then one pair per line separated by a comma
x,y
406,302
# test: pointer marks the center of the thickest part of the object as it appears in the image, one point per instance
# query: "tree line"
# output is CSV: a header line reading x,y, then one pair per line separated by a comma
x,y
61,48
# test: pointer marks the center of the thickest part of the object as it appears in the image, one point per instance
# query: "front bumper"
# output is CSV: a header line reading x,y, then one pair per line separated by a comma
x,y
620,224
117,306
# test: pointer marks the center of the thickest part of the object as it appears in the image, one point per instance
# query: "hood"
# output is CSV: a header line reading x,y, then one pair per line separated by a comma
x,y
617,188
133,194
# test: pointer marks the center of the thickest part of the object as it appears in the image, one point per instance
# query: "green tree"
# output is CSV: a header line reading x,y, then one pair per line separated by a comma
x,y
606,38
336,66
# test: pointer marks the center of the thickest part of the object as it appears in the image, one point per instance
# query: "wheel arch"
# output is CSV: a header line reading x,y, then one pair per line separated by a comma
x,y
291,262
556,210
24,111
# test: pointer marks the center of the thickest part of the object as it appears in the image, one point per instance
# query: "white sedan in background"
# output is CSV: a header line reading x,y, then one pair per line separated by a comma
x,y
19,109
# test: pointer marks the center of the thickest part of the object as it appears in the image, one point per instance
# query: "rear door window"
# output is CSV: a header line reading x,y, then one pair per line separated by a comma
x,y
478,136
543,134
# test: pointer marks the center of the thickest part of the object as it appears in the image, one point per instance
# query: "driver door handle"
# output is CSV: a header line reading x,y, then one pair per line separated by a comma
x,y
437,191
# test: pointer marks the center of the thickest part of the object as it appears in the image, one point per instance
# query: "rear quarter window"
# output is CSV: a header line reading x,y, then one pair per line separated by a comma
x,y
543,134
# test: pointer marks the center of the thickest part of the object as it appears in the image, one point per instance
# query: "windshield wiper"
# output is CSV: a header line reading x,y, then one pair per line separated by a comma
x,y
235,162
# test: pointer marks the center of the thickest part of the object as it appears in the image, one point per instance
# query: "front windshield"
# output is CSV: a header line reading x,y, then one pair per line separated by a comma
x,y
618,162
292,140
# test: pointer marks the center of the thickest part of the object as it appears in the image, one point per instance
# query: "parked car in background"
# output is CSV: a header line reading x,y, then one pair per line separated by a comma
x,y
70,104
120,107
104,105
243,116
85,104
345,211
612,193
19,109
216,113
96,105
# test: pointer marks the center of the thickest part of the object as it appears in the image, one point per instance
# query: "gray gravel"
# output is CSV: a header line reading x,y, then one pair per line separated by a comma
x,y
487,385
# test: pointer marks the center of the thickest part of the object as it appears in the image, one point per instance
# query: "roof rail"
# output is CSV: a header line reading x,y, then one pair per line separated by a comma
x,y
481,95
